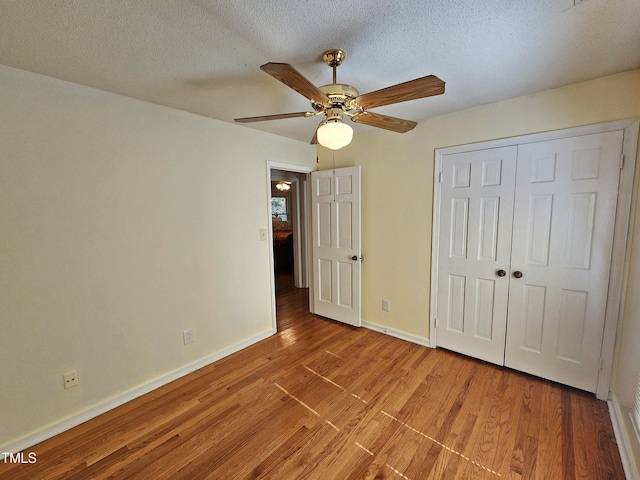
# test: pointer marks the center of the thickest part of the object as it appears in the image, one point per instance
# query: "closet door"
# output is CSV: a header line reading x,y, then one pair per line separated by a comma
x,y
564,213
474,251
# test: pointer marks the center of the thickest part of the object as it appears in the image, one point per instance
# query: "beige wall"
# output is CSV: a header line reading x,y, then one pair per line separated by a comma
x,y
122,223
397,179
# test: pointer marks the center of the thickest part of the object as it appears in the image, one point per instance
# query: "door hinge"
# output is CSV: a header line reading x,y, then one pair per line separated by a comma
x,y
600,365
621,161
435,322
440,177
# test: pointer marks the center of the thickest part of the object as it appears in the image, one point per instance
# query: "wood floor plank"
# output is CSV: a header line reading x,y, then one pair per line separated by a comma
x,y
550,435
324,400
524,450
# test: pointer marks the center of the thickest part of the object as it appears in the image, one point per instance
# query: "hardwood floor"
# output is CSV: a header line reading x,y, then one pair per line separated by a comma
x,y
292,304
322,400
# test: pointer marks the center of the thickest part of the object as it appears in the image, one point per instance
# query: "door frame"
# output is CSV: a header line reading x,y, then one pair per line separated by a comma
x,y
302,211
622,230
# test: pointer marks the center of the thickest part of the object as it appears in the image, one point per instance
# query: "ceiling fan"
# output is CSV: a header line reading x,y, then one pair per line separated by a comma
x,y
338,100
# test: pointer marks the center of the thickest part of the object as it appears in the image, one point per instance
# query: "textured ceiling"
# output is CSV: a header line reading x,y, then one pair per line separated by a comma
x,y
203,56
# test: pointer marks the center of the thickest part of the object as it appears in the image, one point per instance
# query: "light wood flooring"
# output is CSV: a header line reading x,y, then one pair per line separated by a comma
x,y
321,400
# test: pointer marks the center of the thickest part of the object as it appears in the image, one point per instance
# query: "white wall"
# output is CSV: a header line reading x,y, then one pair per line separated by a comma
x,y
122,223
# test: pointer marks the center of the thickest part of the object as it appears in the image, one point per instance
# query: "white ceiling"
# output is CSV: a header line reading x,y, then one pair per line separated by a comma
x,y
203,56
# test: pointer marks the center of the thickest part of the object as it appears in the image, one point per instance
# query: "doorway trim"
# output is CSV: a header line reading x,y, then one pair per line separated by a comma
x,y
622,230
302,194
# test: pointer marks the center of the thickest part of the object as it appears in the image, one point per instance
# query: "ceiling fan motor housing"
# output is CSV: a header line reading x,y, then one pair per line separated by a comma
x,y
340,96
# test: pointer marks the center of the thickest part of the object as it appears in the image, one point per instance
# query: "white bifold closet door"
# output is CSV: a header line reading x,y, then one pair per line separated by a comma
x,y
526,236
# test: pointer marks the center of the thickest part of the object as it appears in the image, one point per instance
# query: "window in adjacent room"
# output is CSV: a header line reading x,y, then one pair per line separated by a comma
x,y
279,208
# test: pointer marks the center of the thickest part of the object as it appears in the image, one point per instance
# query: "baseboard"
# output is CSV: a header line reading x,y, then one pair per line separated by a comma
x,y
626,438
396,333
76,419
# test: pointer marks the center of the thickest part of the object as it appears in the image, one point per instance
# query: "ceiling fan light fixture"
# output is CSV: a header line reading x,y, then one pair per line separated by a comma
x,y
334,134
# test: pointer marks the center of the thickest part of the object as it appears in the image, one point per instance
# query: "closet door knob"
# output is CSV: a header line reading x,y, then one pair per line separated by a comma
x,y
501,273
517,274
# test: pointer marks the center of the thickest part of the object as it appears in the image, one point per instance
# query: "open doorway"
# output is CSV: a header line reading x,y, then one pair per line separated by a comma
x,y
289,225
290,254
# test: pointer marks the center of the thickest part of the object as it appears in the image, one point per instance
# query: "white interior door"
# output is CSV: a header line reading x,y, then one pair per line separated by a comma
x,y
566,194
477,191
336,245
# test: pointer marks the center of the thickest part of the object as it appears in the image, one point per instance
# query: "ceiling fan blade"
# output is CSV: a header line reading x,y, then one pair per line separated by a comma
x,y
411,90
294,79
384,121
279,116
314,140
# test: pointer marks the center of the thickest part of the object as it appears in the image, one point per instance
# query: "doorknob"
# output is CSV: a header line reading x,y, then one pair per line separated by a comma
x,y
501,273
517,274
355,257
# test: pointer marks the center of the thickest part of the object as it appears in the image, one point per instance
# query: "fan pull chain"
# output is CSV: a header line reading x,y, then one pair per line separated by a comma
x,y
333,155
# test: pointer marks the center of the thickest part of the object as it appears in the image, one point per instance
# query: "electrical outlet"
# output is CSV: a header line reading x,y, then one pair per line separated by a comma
x,y
187,336
70,379
386,305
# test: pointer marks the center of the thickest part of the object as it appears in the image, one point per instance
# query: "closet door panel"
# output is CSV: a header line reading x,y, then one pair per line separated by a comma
x,y
474,244
566,193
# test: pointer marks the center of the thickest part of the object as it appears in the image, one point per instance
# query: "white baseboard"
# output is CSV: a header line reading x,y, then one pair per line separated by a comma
x,y
396,333
76,419
626,438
